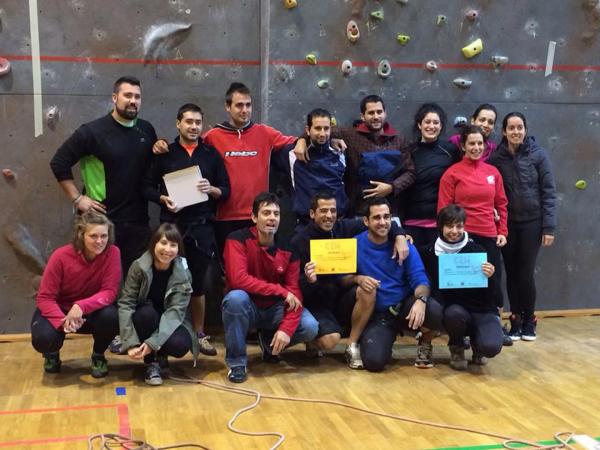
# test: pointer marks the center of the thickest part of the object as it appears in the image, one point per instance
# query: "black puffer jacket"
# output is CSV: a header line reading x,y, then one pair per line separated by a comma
x,y
528,182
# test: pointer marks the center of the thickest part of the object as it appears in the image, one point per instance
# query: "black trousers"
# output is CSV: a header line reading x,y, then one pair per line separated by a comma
x,y
494,255
520,254
146,320
484,329
422,237
132,239
102,324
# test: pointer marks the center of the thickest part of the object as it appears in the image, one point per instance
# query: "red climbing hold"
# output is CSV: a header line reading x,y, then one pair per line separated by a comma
x,y
4,66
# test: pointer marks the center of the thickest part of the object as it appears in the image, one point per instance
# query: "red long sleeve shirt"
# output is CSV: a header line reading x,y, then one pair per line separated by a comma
x,y
70,279
266,274
478,188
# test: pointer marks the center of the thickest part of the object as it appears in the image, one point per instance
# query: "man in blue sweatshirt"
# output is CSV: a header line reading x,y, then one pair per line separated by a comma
x,y
401,293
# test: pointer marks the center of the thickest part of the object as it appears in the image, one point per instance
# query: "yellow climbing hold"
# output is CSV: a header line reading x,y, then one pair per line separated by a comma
x,y
333,121
581,184
473,49
403,38
311,58
289,4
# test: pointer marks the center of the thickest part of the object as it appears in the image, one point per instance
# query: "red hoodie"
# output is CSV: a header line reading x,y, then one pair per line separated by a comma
x,y
478,188
247,153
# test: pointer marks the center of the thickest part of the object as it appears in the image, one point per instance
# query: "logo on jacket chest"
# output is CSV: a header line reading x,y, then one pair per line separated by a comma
x,y
491,179
241,153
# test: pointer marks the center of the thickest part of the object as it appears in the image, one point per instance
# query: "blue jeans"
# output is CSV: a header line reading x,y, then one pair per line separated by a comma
x,y
240,314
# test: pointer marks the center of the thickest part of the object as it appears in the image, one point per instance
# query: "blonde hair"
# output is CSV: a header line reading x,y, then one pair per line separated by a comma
x,y
81,223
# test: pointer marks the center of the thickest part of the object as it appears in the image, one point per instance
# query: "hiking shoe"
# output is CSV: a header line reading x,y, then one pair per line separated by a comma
x,y
52,362
264,340
529,329
353,358
237,374
424,352
153,376
312,351
457,357
506,339
479,359
99,366
116,346
206,348
516,324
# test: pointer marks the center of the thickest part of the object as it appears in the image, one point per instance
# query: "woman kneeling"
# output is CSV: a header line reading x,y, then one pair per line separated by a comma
x,y
154,303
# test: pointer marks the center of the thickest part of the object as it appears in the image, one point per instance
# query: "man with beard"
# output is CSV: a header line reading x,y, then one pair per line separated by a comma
x,y
113,153
377,166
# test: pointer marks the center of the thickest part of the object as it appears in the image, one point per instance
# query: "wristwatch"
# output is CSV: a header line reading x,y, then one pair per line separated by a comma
x,y
423,298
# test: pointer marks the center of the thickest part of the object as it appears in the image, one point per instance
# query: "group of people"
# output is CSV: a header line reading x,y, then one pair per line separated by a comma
x,y
460,195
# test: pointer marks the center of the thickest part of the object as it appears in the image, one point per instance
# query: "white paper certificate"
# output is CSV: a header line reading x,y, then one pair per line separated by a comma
x,y
181,186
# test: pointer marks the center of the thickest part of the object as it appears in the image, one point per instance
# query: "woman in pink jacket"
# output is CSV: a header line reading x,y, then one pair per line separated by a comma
x,y
77,293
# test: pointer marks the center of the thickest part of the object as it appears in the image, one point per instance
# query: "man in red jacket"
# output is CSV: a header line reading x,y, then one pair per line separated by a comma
x,y
264,291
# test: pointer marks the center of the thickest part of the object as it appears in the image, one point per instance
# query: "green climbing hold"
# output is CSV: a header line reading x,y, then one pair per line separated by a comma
x,y
377,14
311,58
403,38
581,184
441,20
323,84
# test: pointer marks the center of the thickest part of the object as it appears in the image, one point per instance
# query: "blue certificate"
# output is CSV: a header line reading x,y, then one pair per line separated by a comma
x,y
462,270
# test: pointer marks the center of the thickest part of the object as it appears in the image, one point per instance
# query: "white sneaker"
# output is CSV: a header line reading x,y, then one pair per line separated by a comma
x,y
352,354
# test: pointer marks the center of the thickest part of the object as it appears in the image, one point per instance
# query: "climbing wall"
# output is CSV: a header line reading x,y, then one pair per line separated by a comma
x,y
60,58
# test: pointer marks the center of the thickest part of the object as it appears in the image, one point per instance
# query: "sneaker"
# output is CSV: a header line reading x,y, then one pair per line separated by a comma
x,y
116,346
353,358
506,339
153,376
516,323
312,351
467,342
424,352
529,327
457,357
478,359
99,366
206,348
237,374
52,362
264,340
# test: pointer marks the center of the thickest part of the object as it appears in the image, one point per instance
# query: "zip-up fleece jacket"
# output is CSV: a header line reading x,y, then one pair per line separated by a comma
x,y
246,153
529,183
266,274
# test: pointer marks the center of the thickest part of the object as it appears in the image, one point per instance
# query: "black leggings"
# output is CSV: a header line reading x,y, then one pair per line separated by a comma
x,y
146,321
102,324
494,255
484,329
520,254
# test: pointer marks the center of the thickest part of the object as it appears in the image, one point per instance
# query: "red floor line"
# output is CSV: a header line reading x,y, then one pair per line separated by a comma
x,y
61,408
42,441
123,413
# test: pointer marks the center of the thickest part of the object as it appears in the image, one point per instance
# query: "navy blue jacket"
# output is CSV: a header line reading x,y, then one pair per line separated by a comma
x,y
528,183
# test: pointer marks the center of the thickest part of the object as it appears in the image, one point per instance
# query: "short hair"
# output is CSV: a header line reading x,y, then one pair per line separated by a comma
x,y
234,87
374,202
467,130
449,215
188,107
81,223
126,79
171,233
321,195
423,110
513,114
267,198
317,112
484,106
370,99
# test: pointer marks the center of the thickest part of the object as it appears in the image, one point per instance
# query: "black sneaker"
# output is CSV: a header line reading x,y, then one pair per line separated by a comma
x,y
516,323
467,342
116,346
52,362
153,376
237,374
529,327
264,340
506,339
99,366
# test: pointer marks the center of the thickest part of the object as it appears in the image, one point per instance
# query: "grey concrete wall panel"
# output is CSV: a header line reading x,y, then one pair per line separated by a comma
x,y
86,45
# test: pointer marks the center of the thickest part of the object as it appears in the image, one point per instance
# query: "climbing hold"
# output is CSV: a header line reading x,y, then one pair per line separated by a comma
x,y
402,2
462,83
346,67
473,49
441,20
498,61
323,84
4,66
289,4
377,14
384,69
8,174
403,38
52,115
333,121
161,38
352,31
460,121
472,14
311,58
26,251
431,66
581,184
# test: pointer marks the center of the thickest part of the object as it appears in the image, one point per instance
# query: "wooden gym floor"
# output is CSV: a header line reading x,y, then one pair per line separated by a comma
x,y
531,391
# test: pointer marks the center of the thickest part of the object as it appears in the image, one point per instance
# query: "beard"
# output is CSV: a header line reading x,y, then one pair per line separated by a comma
x,y
128,114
